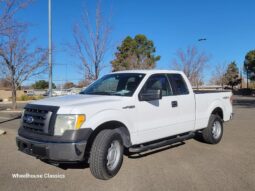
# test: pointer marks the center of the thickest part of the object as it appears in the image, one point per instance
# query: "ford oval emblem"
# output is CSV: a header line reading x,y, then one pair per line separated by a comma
x,y
29,119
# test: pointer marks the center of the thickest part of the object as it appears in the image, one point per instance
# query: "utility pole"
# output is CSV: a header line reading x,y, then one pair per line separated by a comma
x,y
50,48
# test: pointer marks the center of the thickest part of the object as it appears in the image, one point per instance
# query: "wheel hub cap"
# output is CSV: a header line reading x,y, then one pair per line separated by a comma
x,y
113,155
216,130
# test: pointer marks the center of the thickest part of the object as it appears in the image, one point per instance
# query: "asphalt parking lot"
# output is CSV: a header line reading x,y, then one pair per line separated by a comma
x,y
193,165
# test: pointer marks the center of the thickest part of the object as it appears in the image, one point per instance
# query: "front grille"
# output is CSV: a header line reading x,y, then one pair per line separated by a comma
x,y
39,118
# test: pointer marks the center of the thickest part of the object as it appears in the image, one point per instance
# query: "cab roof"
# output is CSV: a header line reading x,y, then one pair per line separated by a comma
x,y
149,71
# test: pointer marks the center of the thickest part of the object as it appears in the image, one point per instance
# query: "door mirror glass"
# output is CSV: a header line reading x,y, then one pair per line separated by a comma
x,y
150,95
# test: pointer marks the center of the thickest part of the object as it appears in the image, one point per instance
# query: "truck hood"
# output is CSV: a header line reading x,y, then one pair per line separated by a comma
x,y
77,100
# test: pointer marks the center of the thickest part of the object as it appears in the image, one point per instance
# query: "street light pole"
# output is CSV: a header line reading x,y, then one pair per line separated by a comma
x,y
50,48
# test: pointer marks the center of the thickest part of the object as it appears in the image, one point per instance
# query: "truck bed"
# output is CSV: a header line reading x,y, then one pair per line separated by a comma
x,y
206,100
209,91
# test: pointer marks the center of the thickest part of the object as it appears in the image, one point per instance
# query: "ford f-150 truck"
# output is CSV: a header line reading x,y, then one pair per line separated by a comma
x,y
133,111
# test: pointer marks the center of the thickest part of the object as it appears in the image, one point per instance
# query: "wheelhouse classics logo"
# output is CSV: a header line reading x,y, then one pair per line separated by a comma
x,y
38,176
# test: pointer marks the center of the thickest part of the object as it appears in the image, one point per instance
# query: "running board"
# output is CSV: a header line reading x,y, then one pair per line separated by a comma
x,y
179,138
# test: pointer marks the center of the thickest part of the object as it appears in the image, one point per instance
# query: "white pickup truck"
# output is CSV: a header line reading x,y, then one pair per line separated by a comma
x,y
132,111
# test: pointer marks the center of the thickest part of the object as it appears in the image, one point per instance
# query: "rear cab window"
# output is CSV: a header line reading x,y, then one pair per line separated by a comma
x,y
178,84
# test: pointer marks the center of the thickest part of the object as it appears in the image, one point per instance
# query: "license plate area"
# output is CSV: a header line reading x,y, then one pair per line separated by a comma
x,y
32,149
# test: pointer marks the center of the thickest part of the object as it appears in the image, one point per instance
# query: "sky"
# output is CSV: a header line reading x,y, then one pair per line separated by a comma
x,y
227,25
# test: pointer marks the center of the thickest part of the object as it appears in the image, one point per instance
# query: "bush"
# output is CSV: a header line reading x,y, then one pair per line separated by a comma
x,y
23,98
27,98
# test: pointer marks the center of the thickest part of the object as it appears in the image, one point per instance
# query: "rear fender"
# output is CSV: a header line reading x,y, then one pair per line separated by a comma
x,y
213,106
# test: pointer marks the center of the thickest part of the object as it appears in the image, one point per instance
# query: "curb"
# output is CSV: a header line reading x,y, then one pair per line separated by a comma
x,y
10,113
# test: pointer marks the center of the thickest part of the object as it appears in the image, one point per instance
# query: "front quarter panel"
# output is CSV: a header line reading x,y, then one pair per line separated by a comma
x,y
109,115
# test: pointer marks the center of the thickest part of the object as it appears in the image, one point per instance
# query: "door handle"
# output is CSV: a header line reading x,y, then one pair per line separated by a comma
x,y
174,104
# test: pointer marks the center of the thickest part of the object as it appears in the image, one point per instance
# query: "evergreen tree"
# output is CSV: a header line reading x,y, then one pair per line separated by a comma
x,y
135,53
249,64
42,84
232,75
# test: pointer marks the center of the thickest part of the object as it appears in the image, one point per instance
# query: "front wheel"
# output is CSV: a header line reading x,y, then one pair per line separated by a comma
x,y
106,154
214,131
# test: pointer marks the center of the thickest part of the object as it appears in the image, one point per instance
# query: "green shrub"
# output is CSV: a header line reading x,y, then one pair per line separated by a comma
x,y
25,97
22,98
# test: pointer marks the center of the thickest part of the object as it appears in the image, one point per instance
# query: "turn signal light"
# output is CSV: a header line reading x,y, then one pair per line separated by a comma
x,y
80,120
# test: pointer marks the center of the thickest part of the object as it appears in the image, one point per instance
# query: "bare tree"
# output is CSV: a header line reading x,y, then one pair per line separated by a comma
x,y
91,42
218,74
5,83
83,83
8,10
20,62
192,63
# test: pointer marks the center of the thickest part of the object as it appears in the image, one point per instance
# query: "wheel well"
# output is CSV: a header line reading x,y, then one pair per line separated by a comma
x,y
116,125
218,111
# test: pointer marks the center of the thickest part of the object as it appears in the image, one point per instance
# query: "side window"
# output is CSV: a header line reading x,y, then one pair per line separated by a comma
x,y
178,84
158,81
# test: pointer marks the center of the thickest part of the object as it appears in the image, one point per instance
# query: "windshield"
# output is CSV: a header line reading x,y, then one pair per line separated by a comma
x,y
120,84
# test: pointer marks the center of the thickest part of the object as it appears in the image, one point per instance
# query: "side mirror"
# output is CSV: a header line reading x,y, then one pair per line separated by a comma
x,y
151,95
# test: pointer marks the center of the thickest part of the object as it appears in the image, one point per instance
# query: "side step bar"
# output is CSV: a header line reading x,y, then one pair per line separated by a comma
x,y
154,145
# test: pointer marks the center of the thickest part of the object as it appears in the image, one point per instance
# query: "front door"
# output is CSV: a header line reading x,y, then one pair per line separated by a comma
x,y
157,119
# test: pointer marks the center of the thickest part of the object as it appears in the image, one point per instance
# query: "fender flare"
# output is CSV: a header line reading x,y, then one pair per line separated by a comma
x,y
111,119
214,106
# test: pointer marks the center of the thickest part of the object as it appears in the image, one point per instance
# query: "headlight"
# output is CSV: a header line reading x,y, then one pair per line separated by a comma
x,y
68,122
23,112
22,117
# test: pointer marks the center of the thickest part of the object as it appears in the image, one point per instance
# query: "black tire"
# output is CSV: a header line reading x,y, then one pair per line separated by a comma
x,y
209,134
100,165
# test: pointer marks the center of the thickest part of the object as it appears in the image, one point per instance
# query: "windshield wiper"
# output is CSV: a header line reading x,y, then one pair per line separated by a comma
x,y
98,93
117,94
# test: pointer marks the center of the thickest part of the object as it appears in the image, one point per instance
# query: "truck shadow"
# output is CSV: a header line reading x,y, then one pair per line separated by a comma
x,y
81,165
74,166
154,151
65,166
244,103
199,137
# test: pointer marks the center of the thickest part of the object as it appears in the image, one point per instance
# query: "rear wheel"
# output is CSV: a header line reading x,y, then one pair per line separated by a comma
x,y
106,154
214,131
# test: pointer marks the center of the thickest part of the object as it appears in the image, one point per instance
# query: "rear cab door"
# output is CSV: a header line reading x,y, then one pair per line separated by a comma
x,y
185,100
